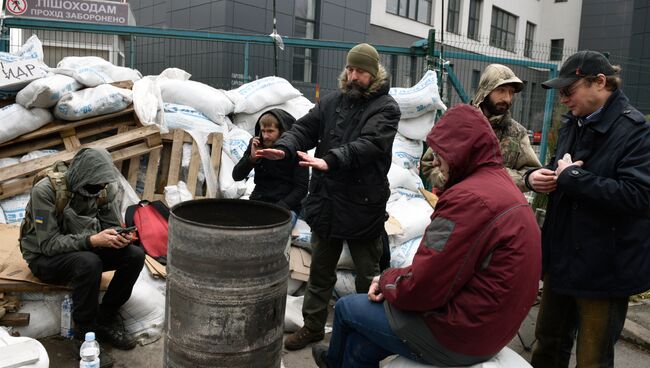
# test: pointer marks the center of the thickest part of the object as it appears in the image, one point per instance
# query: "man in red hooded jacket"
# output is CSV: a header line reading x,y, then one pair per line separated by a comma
x,y
474,277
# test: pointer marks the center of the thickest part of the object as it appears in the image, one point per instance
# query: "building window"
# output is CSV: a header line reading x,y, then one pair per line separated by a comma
x,y
530,36
476,77
453,16
418,10
474,19
502,30
557,48
304,59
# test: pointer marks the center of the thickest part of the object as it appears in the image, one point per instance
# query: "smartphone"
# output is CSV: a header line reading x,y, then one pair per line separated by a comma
x,y
127,230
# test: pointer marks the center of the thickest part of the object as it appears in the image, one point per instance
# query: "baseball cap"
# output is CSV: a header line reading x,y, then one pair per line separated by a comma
x,y
581,64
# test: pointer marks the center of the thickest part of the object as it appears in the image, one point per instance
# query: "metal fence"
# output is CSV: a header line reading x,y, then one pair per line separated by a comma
x,y
225,60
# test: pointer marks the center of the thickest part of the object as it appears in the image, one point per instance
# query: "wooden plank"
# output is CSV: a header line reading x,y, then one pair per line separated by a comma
x,y
134,167
152,171
33,166
175,158
24,147
15,319
193,171
70,139
21,185
120,130
215,156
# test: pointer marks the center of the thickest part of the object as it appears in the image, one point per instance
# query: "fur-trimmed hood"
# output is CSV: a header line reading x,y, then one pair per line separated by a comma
x,y
380,85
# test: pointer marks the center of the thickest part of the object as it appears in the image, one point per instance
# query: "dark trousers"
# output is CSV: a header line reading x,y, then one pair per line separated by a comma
x,y
595,323
322,275
83,269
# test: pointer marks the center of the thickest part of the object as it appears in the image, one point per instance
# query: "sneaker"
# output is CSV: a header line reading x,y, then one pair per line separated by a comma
x,y
115,334
105,358
302,338
319,353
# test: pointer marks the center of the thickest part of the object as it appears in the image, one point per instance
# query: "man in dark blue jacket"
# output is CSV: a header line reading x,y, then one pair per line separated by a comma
x,y
353,131
281,182
595,243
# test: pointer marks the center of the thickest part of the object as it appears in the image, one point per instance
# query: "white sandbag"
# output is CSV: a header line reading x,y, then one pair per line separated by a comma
x,y
417,128
419,99
402,254
293,319
227,185
148,104
14,207
3,220
258,94
45,315
399,192
21,67
398,176
175,194
407,152
89,102
15,120
46,92
235,143
144,312
297,107
412,214
21,351
506,358
175,73
212,102
344,284
91,71
32,49
188,118
250,185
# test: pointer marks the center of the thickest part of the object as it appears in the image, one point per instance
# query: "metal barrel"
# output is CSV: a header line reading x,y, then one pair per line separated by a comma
x,y
227,273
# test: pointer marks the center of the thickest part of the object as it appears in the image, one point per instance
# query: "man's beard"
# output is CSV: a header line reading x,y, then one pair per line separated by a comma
x,y
495,109
355,91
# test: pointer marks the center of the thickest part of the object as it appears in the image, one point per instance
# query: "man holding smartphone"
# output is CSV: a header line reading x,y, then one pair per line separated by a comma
x,y
281,182
76,243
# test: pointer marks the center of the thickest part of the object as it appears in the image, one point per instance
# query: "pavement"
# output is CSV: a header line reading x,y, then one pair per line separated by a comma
x,y
632,352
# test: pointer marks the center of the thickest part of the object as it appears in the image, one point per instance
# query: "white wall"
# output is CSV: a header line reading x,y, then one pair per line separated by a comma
x,y
552,20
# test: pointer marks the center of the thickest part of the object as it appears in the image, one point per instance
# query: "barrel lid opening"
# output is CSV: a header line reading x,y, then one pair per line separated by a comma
x,y
231,213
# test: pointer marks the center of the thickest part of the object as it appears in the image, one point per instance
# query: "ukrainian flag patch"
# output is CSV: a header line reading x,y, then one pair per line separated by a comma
x,y
39,219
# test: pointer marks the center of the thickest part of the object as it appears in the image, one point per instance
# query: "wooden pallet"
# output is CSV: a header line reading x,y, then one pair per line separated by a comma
x,y
164,166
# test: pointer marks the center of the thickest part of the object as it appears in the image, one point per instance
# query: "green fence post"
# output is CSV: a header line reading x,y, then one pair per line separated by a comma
x,y
132,51
246,56
430,48
548,116
4,37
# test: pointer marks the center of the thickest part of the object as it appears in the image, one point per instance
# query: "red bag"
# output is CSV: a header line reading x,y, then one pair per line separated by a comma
x,y
150,218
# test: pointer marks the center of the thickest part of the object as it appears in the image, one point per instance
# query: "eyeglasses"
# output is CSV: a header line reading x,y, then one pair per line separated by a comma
x,y
569,90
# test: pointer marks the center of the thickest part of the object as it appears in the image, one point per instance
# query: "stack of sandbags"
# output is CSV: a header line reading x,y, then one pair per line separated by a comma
x,y
418,105
13,208
19,69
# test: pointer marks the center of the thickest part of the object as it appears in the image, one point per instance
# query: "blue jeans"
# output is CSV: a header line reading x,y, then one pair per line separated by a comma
x,y
362,336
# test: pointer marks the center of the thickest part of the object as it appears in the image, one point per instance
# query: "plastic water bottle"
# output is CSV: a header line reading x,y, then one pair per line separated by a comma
x,y
66,317
89,352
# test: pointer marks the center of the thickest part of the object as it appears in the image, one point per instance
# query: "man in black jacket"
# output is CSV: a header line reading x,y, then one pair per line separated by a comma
x,y
281,182
353,131
595,244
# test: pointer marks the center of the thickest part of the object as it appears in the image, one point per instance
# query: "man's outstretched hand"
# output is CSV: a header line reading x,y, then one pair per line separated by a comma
x,y
308,161
270,154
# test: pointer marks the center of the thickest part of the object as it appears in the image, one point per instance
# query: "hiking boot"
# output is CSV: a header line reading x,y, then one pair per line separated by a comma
x,y
105,358
115,334
319,353
302,338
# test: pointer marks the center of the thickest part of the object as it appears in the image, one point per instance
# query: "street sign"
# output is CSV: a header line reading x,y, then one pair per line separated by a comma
x,y
87,11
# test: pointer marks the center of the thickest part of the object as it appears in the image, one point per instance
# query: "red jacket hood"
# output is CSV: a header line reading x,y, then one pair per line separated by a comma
x,y
464,138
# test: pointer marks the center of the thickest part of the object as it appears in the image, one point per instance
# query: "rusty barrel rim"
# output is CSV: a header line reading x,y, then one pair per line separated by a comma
x,y
177,212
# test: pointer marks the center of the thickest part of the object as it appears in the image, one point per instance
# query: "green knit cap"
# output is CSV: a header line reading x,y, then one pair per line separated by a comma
x,y
364,56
